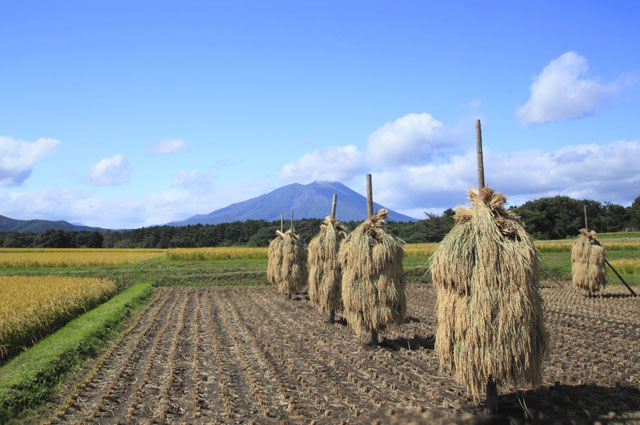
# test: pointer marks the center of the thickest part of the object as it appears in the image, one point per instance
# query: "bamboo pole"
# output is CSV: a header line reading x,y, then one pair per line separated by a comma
x,y
281,222
374,333
586,226
620,277
369,197
479,155
291,220
333,205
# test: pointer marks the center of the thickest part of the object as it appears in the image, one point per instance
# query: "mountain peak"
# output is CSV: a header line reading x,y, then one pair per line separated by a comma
x,y
312,200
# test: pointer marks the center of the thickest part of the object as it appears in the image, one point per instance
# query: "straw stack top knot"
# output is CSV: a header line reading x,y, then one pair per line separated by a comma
x,y
590,235
374,226
492,202
340,229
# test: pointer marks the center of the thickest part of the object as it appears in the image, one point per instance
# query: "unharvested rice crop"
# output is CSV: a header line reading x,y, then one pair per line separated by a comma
x,y
74,257
566,245
587,262
627,265
217,253
373,293
325,275
33,306
490,317
420,249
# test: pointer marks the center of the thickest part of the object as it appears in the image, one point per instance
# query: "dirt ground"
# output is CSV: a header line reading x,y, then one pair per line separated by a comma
x,y
247,355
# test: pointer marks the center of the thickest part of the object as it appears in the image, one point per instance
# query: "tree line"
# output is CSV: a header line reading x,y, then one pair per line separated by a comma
x,y
546,218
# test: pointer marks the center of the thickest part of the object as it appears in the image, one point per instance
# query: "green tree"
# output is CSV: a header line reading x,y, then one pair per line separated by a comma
x,y
95,240
55,238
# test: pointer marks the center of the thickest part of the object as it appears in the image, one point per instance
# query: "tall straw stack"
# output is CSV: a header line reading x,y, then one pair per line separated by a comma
x,y
325,275
372,277
293,272
588,262
490,320
275,258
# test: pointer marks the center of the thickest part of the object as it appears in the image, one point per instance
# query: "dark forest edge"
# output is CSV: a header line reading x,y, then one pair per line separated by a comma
x,y
545,219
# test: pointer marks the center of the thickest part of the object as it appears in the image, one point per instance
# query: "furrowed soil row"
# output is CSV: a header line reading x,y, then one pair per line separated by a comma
x,y
255,404
136,394
360,375
100,382
407,376
230,355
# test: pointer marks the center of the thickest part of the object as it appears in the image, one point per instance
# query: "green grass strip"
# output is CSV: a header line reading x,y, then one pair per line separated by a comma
x,y
29,378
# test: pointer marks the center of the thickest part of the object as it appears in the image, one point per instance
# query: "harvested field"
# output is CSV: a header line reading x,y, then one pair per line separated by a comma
x,y
237,354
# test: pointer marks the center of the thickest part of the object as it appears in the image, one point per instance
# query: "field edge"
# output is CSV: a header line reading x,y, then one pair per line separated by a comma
x,y
30,377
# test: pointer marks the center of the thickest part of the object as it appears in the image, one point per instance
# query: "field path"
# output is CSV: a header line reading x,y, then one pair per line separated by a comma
x,y
247,355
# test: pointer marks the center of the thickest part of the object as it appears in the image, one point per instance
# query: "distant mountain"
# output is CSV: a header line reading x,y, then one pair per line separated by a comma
x,y
36,226
308,201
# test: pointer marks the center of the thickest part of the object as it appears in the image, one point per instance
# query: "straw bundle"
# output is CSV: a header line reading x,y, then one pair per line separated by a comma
x,y
490,321
325,275
275,259
587,262
293,272
372,276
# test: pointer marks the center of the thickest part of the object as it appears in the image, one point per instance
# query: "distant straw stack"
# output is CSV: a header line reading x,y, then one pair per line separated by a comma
x,y
490,320
275,258
325,275
587,262
373,293
293,272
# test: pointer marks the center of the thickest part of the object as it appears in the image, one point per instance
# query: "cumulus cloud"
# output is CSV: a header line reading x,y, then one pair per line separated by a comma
x,y
17,158
332,163
112,171
563,91
609,172
165,147
192,178
411,139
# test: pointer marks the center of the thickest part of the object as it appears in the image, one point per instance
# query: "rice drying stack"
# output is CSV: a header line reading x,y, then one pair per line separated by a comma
x,y
293,272
372,277
325,275
490,320
587,262
275,258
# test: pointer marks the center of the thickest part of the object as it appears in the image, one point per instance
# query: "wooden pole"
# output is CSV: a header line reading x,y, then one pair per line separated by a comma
x,y
620,277
479,153
292,220
550,277
333,205
281,222
586,226
369,197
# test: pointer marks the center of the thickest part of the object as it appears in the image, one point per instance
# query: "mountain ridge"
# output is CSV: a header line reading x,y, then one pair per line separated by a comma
x,y
312,200
8,224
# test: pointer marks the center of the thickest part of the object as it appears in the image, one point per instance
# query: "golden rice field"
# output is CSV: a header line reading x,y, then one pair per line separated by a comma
x,y
565,245
424,249
218,253
52,257
627,265
33,306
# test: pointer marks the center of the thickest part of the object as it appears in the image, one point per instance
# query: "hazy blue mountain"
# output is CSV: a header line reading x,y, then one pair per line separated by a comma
x,y
308,201
36,226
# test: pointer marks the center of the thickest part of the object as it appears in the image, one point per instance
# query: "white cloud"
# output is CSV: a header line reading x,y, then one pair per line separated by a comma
x,y
17,158
192,178
562,91
112,171
609,172
332,163
165,147
411,139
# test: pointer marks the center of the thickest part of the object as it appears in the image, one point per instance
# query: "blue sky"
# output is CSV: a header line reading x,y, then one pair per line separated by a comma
x,y
129,114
